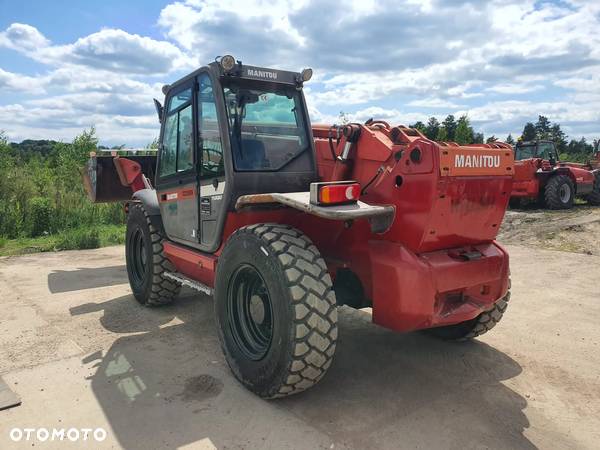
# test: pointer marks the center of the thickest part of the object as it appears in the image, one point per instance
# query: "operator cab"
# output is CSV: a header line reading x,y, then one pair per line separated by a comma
x,y
545,150
228,130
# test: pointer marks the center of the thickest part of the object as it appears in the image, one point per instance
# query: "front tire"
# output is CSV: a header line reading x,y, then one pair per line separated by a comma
x,y
593,198
275,310
559,192
470,329
146,263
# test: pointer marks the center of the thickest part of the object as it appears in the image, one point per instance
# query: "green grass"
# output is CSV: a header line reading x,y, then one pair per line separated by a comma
x,y
72,239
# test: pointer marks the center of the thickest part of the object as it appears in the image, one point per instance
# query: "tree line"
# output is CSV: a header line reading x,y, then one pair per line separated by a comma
x,y
461,132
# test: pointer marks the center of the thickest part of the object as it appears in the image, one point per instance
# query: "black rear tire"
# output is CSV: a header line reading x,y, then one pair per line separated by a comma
x,y
559,192
594,197
286,346
470,329
146,263
514,203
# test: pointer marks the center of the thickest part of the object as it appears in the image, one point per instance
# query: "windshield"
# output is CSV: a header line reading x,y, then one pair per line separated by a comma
x,y
524,152
267,127
544,150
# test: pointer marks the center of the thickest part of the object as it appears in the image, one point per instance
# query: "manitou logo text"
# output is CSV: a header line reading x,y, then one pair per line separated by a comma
x,y
476,161
262,74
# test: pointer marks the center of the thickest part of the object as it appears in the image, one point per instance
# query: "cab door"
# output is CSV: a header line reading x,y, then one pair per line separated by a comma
x,y
212,165
177,176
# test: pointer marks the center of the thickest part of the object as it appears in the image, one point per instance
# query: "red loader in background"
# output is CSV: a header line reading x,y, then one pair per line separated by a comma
x,y
541,176
283,222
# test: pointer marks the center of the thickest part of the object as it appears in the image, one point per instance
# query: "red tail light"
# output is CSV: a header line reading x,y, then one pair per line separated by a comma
x,y
334,193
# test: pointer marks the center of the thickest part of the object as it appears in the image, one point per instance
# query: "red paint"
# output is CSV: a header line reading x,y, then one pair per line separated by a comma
x,y
196,265
130,173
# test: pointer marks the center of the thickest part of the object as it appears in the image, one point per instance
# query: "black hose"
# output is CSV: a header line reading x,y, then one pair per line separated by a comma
x,y
379,172
330,136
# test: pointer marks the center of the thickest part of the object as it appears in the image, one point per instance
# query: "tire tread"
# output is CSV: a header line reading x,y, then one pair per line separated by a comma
x,y
163,290
314,332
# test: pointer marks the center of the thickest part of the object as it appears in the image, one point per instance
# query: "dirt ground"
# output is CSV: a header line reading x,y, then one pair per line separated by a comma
x,y
575,230
82,353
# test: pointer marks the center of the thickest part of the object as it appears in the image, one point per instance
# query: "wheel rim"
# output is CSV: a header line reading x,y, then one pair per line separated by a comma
x,y
137,250
250,312
565,193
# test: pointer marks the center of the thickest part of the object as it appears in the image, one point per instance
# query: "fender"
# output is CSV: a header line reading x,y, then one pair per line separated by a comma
x,y
149,199
380,217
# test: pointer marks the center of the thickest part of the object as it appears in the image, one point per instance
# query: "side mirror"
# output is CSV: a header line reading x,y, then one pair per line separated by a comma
x,y
159,110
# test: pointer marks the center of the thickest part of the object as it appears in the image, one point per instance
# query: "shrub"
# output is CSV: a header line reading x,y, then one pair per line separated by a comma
x,y
3,241
40,216
79,239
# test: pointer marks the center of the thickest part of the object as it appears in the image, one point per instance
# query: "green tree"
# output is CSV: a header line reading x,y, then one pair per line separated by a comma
x,y
510,140
450,125
442,135
478,138
419,126
464,132
529,132
543,128
432,128
580,147
558,137
491,139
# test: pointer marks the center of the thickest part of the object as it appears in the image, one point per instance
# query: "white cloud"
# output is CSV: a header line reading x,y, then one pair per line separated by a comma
x,y
15,82
108,49
422,57
514,88
23,38
433,102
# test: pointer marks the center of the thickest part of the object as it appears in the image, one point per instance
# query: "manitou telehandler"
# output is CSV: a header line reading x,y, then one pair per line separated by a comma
x,y
541,176
284,222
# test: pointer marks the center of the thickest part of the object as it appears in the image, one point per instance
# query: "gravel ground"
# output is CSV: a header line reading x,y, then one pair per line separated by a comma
x,y
82,353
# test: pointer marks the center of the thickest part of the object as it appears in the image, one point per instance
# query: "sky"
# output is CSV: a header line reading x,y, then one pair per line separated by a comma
x,y
68,65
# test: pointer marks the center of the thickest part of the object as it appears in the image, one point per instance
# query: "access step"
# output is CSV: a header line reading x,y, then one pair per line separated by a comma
x,y
186,281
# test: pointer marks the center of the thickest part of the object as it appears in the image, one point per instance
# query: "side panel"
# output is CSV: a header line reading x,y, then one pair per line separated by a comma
x,y
526,182
583,179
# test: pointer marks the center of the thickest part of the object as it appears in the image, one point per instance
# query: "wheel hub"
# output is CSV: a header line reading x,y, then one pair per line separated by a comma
x,y
250,312
565,193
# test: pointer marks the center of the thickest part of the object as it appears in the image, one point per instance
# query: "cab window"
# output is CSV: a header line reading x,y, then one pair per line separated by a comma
x,y
546,150
177,150
267,126
525,152
208,132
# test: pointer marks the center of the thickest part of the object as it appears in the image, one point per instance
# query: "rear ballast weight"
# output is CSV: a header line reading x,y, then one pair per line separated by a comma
x,y
284,221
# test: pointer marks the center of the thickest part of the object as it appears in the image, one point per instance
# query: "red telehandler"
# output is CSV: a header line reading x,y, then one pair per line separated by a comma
x,y
541,176
282,222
